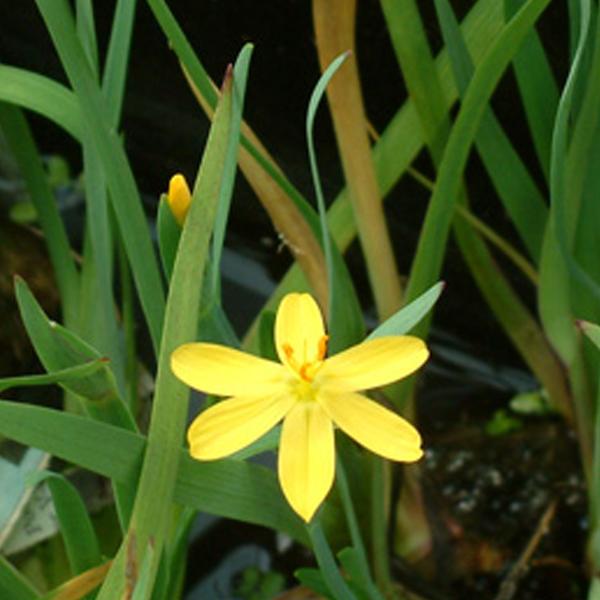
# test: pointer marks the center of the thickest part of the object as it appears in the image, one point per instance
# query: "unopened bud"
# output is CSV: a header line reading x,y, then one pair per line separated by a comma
x,y
179,197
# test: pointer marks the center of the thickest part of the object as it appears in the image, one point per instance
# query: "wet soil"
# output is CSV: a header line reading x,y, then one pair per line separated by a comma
x,y
508,512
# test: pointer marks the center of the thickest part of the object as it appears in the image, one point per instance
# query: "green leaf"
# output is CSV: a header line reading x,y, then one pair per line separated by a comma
x,y
22,144
345,322
266,337
169,232
229,170
125,198
81,543
196,72
312,579
59,349
434,234
143,586
537,88
409,316
150,519
214,325
327,566
86,31
61,376
228,488
502,423
98,319
557,264
269,441
13,585
43,96
592,331
401,140
117,56
511,179
353,564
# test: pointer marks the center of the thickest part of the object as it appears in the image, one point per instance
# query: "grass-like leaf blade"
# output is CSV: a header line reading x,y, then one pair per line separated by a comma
x,y
13,585
344,315
228,488
410,315
123,190
81,543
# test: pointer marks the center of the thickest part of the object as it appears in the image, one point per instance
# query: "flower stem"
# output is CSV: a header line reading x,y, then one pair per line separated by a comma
x,y
326,561
355,534
379,520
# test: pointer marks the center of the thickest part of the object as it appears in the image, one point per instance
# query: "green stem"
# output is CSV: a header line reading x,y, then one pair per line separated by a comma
x,y
327,565
379,524
355,534
347,504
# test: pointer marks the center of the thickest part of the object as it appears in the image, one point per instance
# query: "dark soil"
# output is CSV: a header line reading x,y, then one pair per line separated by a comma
x,y
489,495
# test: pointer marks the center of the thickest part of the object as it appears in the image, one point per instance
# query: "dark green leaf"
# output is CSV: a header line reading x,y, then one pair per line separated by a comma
x,y
81,543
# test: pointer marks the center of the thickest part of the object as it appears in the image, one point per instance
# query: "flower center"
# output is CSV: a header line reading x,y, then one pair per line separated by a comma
x,y
307,367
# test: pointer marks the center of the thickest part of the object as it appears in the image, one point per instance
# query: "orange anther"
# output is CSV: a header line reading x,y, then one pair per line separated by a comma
x,y
322,351
303,372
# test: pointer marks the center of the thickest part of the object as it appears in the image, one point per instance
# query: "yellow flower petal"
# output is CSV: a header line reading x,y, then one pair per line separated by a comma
x,y
299,331
224,371
179,197
235,423
306,458
371,425
373,363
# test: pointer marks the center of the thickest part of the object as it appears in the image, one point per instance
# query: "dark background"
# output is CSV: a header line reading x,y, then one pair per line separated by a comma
x,y
164,129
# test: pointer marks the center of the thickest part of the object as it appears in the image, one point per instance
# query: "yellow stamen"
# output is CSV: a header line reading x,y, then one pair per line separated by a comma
x,y
322,351
303,371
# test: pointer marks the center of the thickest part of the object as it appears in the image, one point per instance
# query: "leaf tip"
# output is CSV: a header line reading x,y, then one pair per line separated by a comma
x,y
227,79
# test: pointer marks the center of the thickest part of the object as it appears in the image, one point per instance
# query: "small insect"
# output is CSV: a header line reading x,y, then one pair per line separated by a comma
x,y
283,242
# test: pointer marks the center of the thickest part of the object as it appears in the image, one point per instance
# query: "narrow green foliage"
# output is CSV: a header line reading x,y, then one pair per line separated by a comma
x,y
19,137
81,543
86,31
59,349
41,95
61,376
592,331
229,171
13,585
198,75
337,586
432,240
538,89
230,488
144,585
124,195
98,319
515,186
345,321
403,137
117,55
169,232
150,518
410,315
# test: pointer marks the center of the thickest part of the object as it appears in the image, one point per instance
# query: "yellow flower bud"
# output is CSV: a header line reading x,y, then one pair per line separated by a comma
x,y
179,197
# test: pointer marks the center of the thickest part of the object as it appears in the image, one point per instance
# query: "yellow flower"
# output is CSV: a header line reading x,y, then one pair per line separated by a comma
x,y
179,197
309,392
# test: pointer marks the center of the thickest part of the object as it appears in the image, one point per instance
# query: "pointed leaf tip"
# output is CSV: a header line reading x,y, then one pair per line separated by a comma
x,y
227,79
